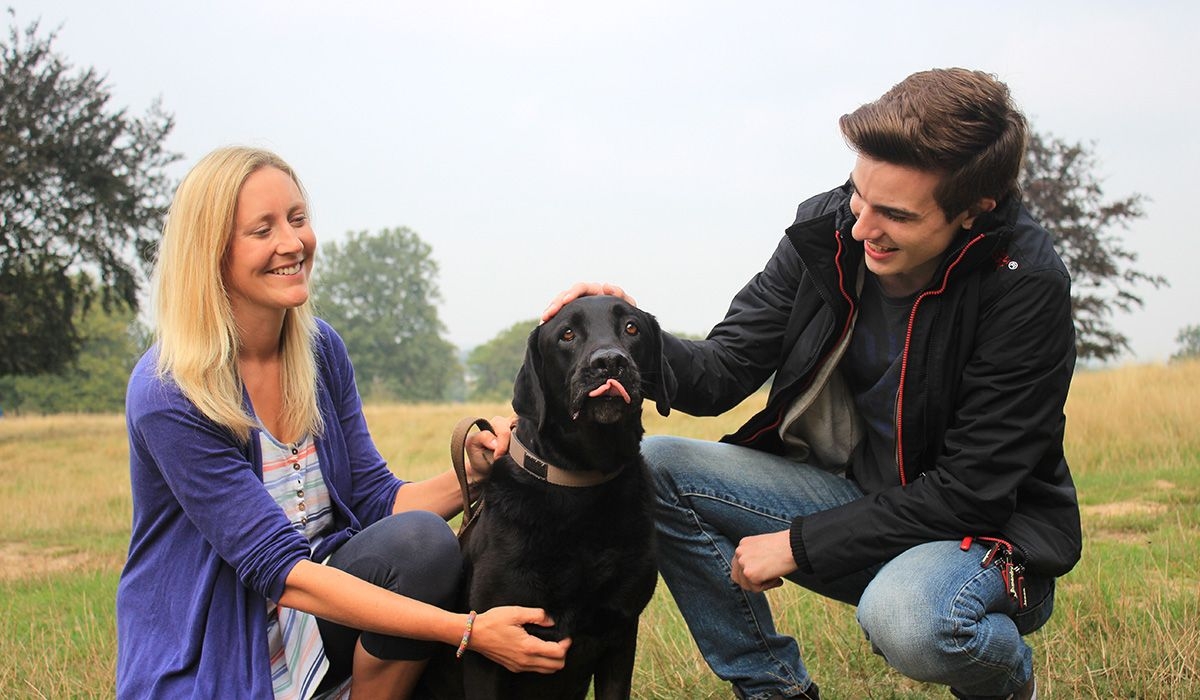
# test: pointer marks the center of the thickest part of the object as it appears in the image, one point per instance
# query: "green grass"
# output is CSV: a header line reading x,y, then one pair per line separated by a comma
x,y
58,636
1125,625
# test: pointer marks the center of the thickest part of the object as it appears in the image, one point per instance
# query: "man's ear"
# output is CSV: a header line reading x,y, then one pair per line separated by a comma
x,y
984,205
529,401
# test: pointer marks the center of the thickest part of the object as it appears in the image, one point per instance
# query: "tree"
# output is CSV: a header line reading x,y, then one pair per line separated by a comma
x,y
95,382
83,189
1062,191
1188,340
379,292
493,366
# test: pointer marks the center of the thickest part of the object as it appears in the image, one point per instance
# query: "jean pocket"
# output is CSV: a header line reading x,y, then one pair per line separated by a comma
x,y
1039,594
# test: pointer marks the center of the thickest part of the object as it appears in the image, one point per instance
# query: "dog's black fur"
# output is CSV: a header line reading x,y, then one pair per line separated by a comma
x,y
584,554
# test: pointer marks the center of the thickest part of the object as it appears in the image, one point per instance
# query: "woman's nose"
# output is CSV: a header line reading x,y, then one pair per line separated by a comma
x,y
289,243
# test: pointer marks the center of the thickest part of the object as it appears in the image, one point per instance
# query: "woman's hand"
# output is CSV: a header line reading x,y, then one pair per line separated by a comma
x,y
484,448
761,561
500,635
584,289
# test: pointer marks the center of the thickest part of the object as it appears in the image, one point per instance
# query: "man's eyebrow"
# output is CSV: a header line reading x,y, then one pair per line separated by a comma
x,y
891,212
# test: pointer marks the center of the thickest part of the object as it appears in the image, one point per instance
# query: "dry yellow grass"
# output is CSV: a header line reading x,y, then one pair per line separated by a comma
x,y
1117,417
1125,624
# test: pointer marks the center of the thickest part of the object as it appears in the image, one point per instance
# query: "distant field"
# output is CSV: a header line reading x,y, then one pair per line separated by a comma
x,y
1126,621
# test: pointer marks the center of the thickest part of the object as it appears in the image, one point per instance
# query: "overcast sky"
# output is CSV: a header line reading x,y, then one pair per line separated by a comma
x,y
662,146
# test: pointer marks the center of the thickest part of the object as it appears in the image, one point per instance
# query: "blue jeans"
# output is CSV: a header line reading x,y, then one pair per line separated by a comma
x,y
933,613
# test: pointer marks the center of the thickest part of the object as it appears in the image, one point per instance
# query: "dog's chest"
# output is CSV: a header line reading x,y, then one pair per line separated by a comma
x,y
592,557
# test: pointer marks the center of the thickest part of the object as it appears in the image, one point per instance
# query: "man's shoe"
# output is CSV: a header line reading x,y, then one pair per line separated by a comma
x,y
1025,692
813,693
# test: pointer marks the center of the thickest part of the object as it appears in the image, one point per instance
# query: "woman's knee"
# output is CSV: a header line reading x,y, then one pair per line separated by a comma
x,y
414,553
429,549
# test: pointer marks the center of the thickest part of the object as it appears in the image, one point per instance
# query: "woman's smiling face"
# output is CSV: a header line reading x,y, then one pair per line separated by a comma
x,y
270,255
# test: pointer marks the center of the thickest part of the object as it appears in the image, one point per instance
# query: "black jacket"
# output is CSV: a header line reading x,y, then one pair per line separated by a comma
x,y
987,366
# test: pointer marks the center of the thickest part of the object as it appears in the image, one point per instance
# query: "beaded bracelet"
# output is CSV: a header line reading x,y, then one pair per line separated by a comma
x,y
466,638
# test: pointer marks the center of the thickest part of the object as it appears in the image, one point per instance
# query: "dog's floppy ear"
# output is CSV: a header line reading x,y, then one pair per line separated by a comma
x,y
528,398
662,384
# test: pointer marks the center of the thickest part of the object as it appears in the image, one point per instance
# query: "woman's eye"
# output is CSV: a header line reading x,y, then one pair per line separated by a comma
x,y
567,335
631,328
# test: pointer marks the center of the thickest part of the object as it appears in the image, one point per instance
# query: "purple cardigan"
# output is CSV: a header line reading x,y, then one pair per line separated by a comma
x,y
209,546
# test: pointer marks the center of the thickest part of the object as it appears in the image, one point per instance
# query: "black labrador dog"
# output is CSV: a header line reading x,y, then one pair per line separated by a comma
x,y
566,519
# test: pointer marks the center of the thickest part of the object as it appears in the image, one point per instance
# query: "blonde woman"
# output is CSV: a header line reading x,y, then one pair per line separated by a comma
x,y
273,554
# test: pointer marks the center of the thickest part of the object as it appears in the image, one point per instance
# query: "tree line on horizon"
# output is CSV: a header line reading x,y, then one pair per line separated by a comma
x,y
84,190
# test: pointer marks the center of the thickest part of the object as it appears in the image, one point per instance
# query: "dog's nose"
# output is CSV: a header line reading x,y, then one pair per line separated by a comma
x,y
612,362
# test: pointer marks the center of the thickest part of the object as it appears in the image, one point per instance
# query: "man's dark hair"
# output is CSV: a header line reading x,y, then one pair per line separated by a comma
x,y
959,123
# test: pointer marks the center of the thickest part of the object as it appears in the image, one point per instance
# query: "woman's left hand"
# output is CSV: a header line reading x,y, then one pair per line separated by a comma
x,y
484,448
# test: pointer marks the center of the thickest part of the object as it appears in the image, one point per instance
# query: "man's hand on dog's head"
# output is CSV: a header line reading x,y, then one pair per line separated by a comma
x,y
584,289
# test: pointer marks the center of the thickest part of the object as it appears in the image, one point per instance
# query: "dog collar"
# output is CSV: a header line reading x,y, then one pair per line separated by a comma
x,y
551,474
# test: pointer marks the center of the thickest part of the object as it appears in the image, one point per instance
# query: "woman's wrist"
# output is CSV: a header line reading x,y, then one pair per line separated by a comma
x,y
466,635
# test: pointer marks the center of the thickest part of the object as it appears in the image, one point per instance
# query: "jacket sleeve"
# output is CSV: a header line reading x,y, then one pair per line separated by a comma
x,y
744,349
1008,421
215,484
371,491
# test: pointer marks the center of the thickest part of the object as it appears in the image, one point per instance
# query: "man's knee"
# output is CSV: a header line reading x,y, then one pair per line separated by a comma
x,y
915,636
663,454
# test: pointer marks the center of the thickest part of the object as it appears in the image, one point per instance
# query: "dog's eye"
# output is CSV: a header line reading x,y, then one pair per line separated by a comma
x,y
567,335
631,328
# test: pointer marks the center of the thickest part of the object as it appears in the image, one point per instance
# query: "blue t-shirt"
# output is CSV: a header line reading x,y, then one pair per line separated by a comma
x,y
872,370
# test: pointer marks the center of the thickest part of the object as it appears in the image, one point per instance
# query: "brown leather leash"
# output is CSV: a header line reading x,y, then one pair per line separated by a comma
x,y
526,460
458,444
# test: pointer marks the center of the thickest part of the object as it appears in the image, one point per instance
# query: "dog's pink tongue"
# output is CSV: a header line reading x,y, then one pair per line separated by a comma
x,y
610,388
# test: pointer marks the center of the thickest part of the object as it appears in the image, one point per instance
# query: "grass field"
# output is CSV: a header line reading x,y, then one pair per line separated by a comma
x,y
1127,620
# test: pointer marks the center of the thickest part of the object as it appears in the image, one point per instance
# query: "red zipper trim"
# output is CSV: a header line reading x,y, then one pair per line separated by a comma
x,y
837,264
912,317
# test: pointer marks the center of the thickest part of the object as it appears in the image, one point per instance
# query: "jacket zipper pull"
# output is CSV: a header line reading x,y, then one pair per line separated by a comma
x,y
990,556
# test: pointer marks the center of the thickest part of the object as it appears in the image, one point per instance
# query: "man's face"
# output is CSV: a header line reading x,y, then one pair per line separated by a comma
x,y
903,230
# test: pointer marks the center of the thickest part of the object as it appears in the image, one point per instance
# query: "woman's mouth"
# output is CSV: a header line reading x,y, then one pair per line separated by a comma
x,y
286,271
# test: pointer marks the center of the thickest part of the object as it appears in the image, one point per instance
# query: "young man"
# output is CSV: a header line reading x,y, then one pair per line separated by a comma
x,y
909,459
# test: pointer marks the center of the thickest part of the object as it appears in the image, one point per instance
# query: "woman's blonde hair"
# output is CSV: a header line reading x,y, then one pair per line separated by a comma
x,y
197,337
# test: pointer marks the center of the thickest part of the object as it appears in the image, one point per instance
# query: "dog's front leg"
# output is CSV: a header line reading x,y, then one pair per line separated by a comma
x,y
614,669
483,679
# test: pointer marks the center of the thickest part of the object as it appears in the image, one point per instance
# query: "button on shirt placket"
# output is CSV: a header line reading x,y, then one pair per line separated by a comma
x,y
300,473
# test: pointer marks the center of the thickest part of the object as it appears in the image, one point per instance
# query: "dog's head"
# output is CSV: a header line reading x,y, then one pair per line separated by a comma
x,y
594,361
